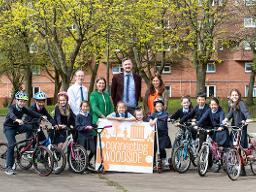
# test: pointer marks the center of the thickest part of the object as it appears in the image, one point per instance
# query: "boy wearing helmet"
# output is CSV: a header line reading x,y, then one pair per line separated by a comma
x,y
159,118
14,124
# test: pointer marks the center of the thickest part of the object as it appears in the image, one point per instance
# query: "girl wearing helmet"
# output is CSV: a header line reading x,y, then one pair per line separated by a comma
x,y
64,117
14,124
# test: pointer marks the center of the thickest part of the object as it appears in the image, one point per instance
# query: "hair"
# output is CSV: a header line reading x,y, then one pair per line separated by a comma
x,y
161,85
64,94
188,98
82,102
232,104
103,79
216,100
79,70
120,102
201,94
138,109
125,59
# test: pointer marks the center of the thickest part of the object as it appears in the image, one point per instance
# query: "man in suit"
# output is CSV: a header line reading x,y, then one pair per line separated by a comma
x,y
126,86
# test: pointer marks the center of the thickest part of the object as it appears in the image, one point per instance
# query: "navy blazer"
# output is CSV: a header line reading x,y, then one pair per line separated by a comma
x,y
179,114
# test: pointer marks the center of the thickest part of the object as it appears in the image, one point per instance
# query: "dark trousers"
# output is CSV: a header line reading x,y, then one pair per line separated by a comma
x,y
10,133
89,144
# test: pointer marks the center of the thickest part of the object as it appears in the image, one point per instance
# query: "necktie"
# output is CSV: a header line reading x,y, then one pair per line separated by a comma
x,y
82,95
127,87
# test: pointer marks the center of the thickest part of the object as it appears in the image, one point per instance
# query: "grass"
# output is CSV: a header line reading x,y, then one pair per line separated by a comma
x,y
174,105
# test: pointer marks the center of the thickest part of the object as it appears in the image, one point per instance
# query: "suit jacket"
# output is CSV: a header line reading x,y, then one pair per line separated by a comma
x,y
117,87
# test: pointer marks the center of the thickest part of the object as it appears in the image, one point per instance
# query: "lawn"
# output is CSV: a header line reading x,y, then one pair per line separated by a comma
x,y
174,104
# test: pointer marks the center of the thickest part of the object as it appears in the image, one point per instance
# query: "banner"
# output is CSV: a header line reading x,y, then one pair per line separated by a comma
x,y
127,147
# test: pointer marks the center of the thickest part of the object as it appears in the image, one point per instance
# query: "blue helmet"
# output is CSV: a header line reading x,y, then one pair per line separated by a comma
x,y
40,95
20,95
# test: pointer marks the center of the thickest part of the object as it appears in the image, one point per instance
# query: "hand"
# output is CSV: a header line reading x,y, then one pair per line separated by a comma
x,y
177,124
193,123
89,127
195,127
220,129
56,127
249,120
44,117
19,121
102,116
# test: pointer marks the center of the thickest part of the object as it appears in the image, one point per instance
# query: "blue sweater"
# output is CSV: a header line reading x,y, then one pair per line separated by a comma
x,y
81,122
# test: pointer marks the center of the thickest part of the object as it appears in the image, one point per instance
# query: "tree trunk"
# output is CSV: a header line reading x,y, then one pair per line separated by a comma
x,y
93,77
249,100
200,76
28,83
57,86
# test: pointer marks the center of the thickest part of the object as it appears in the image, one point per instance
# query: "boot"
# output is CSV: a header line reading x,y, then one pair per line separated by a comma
x,y
242,173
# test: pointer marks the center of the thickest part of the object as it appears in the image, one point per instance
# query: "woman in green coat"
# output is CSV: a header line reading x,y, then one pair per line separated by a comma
x,y
100,101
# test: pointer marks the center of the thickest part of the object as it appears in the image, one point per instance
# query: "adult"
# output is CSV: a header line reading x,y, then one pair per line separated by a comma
x,y
77,92
126,86
156,89
100,101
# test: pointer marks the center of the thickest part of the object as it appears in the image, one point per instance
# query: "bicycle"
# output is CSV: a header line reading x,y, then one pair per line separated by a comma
x,y
58,154
186,152
76,154
239,156
210,151
29,152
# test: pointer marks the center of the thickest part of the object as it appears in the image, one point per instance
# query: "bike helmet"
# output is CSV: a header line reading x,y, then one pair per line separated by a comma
x,y
40,95
63,93
20,95
158,100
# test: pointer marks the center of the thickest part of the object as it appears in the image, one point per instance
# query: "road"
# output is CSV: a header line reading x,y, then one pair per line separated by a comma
x,y
28,181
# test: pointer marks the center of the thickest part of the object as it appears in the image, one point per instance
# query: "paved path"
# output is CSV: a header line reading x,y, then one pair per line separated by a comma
x,y
28,181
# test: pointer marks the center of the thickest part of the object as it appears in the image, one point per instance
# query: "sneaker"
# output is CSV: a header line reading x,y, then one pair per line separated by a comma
x,y
90,167
9,171
243,172
165,163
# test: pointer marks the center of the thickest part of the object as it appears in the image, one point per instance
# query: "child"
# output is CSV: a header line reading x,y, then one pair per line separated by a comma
x,y
39,107
160,118
238,112
64,117
186,108
85,131
121,113
139,114
14,124
215,116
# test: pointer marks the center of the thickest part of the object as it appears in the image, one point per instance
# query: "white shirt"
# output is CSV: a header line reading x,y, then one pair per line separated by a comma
x,y
75,99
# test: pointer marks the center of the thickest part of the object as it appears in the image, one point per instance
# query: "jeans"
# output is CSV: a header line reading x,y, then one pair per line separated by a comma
x,y
10,133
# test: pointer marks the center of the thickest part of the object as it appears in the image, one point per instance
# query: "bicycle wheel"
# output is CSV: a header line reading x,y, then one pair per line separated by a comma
x,y
3,151
181,159
77,159
43,161
233,163
253,161
203,160
24,159
59,159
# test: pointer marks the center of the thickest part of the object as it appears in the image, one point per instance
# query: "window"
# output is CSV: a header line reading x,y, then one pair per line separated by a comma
x,y
36,69
169,89
116,69
35,90
210,90
248,67
166,69
247,46
211,68
249,2
247,89
249,22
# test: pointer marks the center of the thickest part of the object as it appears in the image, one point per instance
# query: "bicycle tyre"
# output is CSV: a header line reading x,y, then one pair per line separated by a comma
x,y
233,163
24,159
3,151
203,160
78,160
181,159
42,160
59,159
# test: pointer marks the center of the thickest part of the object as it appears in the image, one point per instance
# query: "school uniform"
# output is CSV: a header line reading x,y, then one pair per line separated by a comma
x,y
238,114
215,119
162,128
86,136
180,113
63,117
